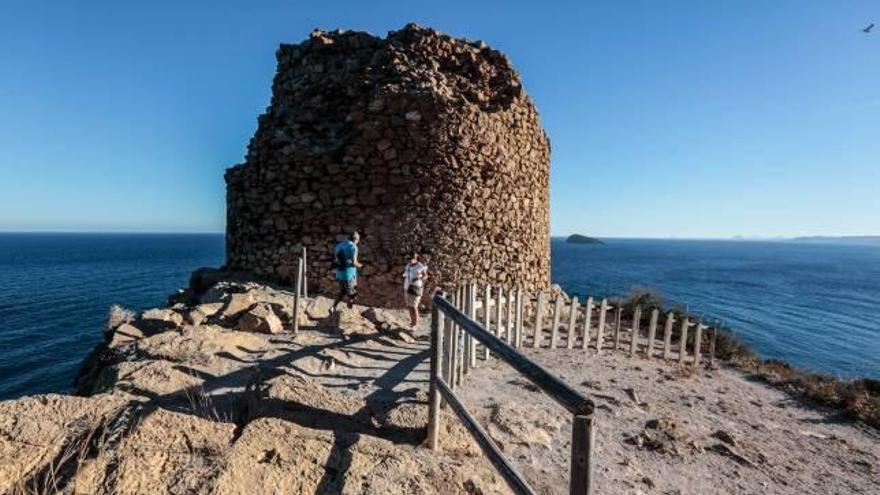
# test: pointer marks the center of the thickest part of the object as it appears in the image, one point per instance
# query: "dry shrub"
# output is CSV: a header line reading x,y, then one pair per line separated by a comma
x,y
646,297
201,404
730,348
87,441
858,399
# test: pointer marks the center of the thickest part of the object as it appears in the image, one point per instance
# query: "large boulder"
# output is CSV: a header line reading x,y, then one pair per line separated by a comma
x,y
348,322
124,334
260,318
202,312
387,320
236,305
159,320
391,322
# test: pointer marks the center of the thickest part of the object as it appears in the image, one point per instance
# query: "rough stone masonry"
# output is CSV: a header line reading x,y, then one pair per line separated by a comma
x,y
418,140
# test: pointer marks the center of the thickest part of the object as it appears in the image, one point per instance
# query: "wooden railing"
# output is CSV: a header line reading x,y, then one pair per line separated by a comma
x,y
453,343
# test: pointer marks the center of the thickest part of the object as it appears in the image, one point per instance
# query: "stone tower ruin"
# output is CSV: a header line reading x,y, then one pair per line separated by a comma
x,y
417,141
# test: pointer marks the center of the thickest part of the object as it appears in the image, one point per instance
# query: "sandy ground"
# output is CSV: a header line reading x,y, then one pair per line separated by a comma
x,y
660,431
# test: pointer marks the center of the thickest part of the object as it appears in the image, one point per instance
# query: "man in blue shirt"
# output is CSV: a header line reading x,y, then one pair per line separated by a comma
x,y
345,256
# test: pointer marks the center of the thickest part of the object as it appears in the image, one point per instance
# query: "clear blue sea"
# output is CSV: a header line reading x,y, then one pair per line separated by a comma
x,y
815,305
55,290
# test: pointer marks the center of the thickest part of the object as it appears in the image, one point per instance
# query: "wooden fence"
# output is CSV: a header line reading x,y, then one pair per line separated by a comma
x,y
454,334
537,321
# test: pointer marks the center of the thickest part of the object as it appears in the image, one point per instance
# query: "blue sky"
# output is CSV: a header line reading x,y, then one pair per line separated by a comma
x,y
674,118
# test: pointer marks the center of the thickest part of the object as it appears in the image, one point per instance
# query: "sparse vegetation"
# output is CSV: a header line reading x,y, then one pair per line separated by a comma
x,y
857,399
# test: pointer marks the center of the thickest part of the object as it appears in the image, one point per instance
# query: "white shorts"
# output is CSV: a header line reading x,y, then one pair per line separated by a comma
x,y
412,300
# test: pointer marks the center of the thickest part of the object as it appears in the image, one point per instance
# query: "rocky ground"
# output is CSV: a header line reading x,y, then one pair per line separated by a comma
x,y
220,397
217,396
662,431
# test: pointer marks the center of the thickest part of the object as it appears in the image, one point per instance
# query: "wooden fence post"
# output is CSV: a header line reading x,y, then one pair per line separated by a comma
x,y
682,349
472,314
466,337
455,355
572,322
634,341
618,316
436,374
462,336
511,317
499,307
448,346
519,317
487,314
539,322
554,333
712,347
698,342
667,334
600,336
300,267
583,444
652,332
587,317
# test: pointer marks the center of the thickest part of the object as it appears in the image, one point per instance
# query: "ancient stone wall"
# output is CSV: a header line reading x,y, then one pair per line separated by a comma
x,y
418,140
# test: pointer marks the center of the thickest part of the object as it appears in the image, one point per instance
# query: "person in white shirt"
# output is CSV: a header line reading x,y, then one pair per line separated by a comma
x,y
414,276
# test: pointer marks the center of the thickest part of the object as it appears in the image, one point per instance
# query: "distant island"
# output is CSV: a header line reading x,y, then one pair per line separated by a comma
x,y
582,239
846,239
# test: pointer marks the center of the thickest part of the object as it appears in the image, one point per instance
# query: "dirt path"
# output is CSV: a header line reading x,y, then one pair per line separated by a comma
x,y
663,432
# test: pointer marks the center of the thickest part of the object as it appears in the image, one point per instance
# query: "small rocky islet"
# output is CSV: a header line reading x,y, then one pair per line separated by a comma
x,y
582,239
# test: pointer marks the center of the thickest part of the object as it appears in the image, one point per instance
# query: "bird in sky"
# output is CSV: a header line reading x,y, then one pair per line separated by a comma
x,y
869,28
